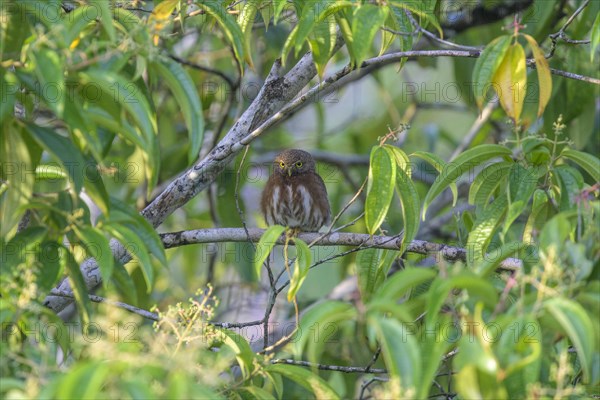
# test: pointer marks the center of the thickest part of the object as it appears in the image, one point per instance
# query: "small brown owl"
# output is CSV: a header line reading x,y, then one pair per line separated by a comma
x,y
295,195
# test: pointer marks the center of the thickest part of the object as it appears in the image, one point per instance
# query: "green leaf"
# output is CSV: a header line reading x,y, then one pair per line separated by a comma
x,y
522,183
78,285
317,326
440,166
76,21
184,90
9,85
543,72
278,6
595,37
401,282
400,351
305,378
24,243
106,17
380,188
464,163
492,260
265,245
240,347
367,265
313,13
367,20
485,226
49,69
98,247
230,27
571,183
301,267
486,65
127,216
63,149
577,324
246,20
84,380
511,81
588,162
322,42
487,181
538,212
16,179
411,206
553,235
130,98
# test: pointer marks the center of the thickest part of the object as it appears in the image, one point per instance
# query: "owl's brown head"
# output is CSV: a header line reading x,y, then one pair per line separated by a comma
x,y
293,162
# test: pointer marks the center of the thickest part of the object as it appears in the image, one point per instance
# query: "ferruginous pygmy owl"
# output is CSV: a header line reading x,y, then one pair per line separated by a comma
x,y
295,195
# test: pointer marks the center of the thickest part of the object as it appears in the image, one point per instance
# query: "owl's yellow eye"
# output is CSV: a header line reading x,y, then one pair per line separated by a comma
x,y
281,164
299,164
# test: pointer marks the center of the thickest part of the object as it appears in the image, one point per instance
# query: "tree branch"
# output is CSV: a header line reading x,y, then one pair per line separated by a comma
x,y
448,253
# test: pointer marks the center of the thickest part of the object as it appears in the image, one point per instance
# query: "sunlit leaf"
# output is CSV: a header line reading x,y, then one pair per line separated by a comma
x,y
511,81
380,188
543,72
486,65
265,245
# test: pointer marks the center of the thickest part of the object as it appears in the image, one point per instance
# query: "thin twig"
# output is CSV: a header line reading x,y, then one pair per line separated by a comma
x,y
326,367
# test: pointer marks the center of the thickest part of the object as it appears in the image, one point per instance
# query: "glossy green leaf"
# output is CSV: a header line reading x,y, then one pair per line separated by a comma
x,y
184,90
486,65
587,161
265,245
510,81
577,324
464,163
24,243
485,227
411,206
305,378
366,22
543,73
487,181
380,188
301,267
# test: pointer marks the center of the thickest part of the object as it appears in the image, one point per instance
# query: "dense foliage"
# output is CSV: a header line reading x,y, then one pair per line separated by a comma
x,y
480,183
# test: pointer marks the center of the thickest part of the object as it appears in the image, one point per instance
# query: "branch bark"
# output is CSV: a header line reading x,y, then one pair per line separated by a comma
x,y
219,235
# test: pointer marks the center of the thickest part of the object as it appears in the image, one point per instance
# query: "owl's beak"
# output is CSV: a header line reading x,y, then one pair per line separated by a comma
x,y
289,171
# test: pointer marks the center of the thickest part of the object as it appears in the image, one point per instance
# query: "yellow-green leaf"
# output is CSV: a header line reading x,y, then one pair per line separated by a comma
x,y
265,245
510,81
543,72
